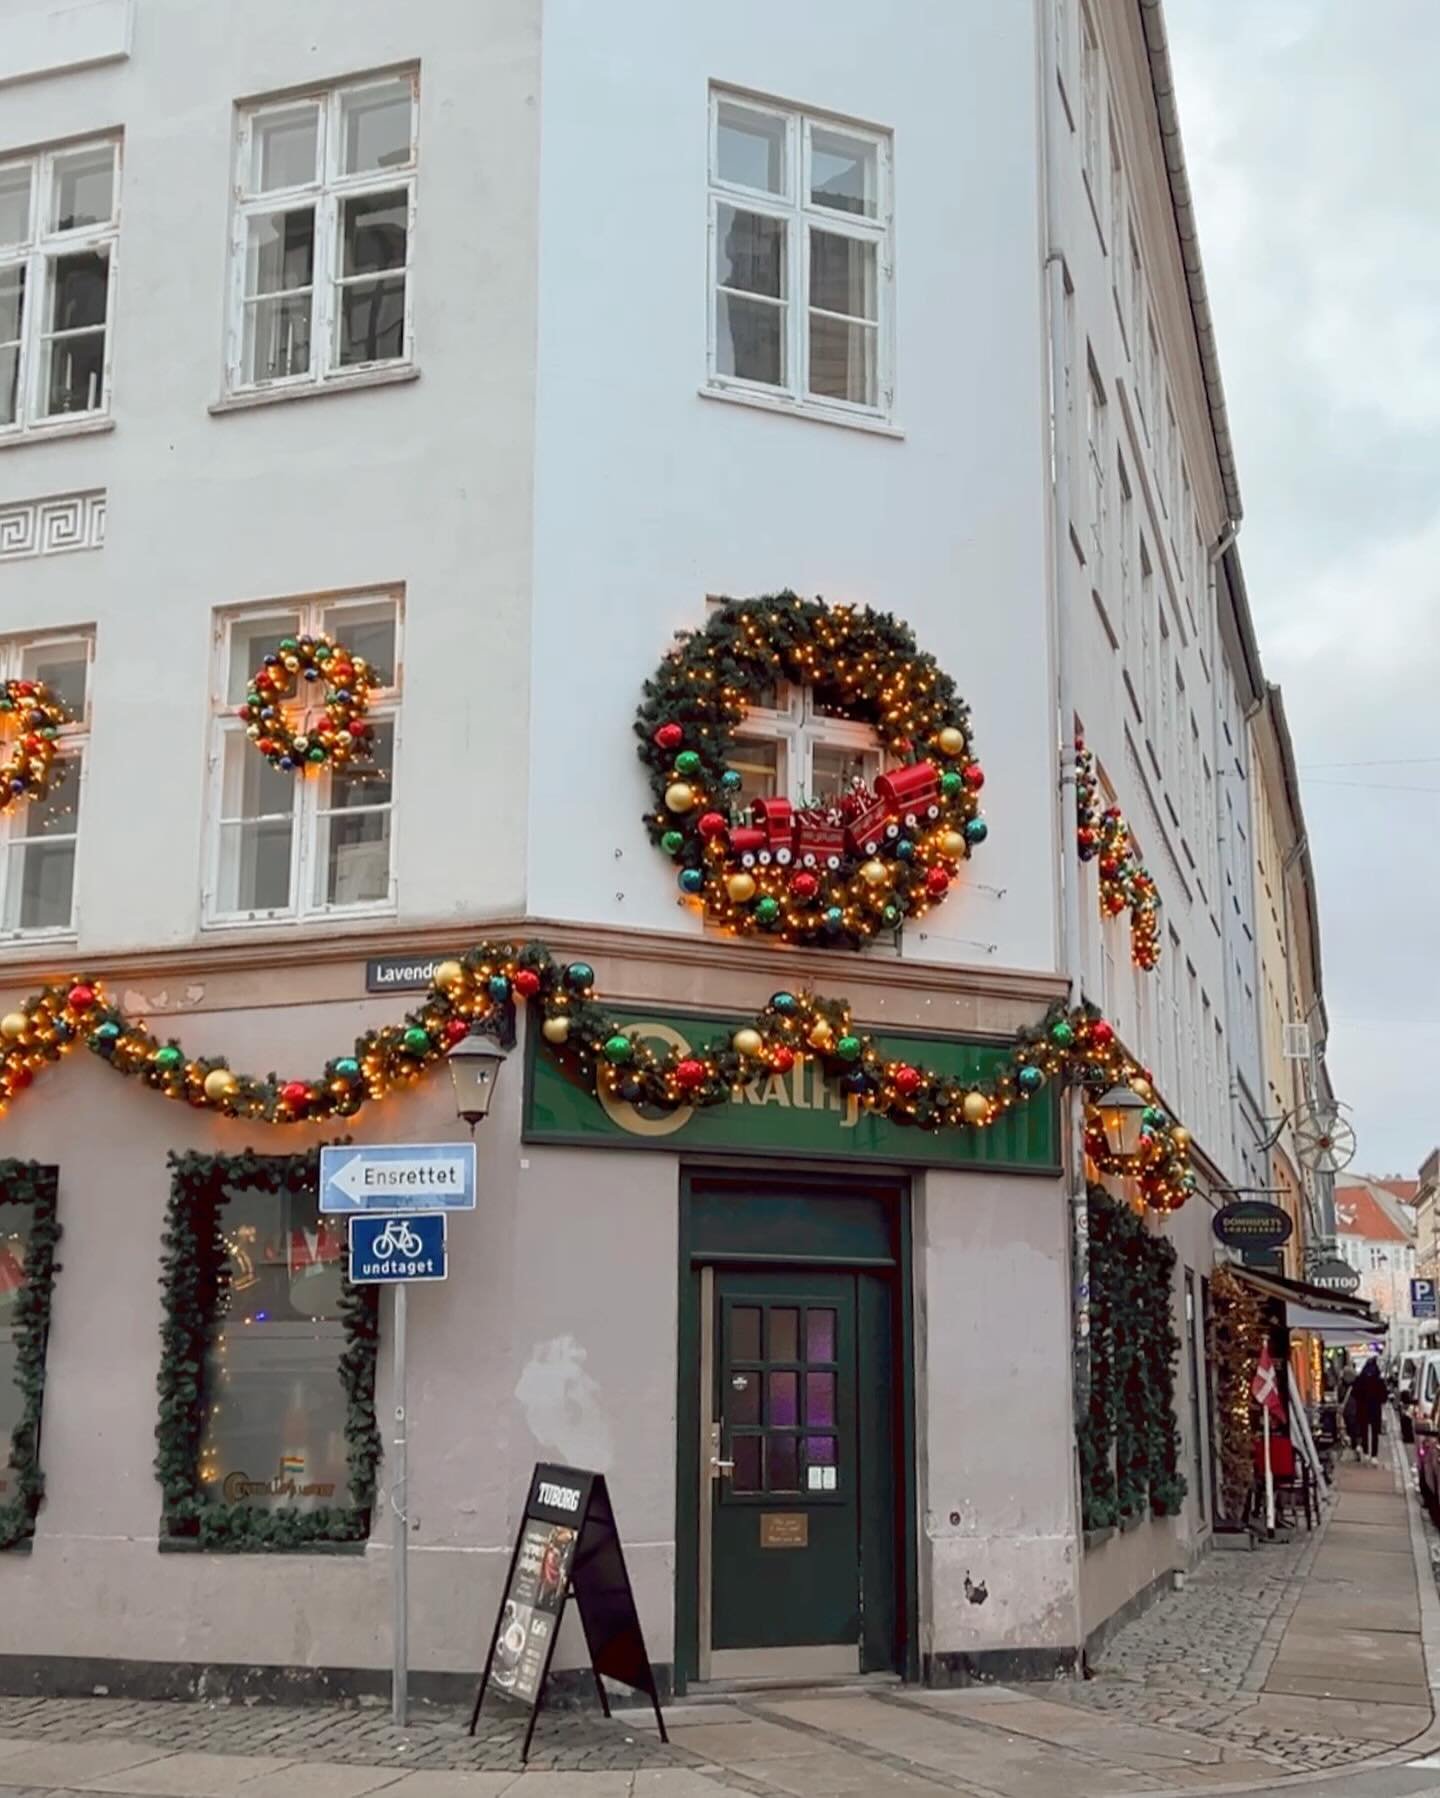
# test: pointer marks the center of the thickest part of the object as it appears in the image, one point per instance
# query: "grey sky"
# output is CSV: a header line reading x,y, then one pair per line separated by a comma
x,y
1313,142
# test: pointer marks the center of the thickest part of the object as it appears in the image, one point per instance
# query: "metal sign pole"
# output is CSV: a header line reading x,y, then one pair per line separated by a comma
x,y
399,1500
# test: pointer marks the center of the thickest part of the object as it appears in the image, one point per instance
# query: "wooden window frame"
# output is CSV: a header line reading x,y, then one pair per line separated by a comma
x,y
72,744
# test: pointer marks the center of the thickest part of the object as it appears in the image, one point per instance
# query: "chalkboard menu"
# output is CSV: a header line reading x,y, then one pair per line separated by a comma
x,y
568,1543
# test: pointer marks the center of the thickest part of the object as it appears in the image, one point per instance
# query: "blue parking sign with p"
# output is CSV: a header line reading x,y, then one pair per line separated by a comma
x,y
1423,1298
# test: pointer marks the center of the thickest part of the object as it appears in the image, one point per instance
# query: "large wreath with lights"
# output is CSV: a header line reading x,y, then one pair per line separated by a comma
x,y
832,873
342,735
36,716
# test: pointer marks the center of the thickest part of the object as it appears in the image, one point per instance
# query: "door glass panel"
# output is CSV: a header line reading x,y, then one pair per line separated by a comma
x,y
745,1453
782,1464
819,1335
820,1451
784,1399
784,1335
743,1403
745,1333
820,1398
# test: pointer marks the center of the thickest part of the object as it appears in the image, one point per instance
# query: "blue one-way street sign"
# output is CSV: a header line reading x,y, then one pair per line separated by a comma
x,y
387,1249
390,1176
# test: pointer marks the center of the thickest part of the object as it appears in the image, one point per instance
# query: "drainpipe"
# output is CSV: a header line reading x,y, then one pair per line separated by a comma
x,y
1071,958
1223,543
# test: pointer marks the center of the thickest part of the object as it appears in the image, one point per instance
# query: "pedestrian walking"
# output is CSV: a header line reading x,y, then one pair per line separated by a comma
x,y
1368,1396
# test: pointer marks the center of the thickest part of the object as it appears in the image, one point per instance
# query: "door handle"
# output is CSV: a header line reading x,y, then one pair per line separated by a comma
x,y
720,1470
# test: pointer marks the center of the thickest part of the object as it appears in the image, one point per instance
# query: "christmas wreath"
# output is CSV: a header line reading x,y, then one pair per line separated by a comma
x,y
830,873
1125,884
37,716
295,662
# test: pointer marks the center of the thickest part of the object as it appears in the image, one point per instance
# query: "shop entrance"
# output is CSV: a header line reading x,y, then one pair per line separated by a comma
x,y
792,1352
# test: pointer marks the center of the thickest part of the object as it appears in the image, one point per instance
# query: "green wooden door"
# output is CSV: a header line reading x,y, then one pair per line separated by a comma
x,y
787,1534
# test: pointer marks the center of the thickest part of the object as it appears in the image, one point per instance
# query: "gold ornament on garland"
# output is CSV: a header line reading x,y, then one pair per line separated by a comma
x,y
1076,1048
37,717
341,736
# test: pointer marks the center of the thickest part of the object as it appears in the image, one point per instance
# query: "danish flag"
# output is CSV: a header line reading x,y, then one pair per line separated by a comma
x,y
1263,1388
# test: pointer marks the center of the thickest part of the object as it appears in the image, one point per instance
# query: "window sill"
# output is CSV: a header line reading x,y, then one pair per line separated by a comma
x,y
357,914
185,1545
248,399
52,433
764,402
27,940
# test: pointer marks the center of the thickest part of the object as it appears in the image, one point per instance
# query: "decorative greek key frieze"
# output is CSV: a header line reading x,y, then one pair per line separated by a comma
x,y
50,527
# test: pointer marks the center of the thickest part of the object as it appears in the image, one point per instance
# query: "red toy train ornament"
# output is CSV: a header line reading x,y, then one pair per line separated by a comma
x,y
906,796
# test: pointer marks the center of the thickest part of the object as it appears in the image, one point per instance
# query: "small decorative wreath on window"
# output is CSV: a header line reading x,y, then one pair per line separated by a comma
x,y
342,736
832,873
38,717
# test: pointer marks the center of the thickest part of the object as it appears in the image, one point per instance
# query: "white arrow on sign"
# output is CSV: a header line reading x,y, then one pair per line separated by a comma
x,y
361,1179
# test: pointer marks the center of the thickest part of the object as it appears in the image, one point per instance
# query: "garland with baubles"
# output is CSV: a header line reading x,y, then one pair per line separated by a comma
x,y
37,718
835,872
1125,884
32,1187
341,736
476,991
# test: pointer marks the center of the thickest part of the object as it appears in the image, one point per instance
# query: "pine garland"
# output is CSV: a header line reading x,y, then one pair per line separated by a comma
x,y
26,1183
1237,1334
195,1279
1129,1442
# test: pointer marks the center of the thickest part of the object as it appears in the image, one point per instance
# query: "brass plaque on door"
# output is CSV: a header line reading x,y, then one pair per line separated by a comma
x,y
784,1529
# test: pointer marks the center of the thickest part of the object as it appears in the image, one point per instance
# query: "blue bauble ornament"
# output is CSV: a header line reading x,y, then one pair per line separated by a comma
x,y
499,987
784,1003
976,831
905,849
834,917
691,880
17,786
1031,1080
856,1081
579,975
731,780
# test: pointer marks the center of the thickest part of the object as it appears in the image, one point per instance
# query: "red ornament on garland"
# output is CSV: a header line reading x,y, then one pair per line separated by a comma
x,y
1101,1032
456,1028
974,777
713,824
937,883
669,736
908,1081
526,982
689,1073
80,997
20,1079
295,1093
805,885
782,1060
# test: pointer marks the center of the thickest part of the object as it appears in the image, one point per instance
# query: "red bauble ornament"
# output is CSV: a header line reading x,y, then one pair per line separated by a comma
x,y
782,1060
26,687
973,776
81,997
689,1073
908,1080
1080,745
1101,1032
713,824
455,1028
526,982
242,711
295,1093
937,881
20,1079
805,885
669,736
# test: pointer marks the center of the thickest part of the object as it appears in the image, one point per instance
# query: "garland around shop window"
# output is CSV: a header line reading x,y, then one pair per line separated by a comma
x,y
27,1183
834,872
36,717
343,735
195,1280
1125,884
1078,1048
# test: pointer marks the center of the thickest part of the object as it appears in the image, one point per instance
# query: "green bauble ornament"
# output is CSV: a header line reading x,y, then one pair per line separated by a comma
x,y
415,1040
317,754
579,975
1152,1117
169,1056
672,842
687,762
347,1067
619,1049
288,643
976,831
768,910
890,916
848,1048
1062,1034
951,784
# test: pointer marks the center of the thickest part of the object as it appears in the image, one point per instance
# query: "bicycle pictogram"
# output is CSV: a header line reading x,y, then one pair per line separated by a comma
x,y
396,1239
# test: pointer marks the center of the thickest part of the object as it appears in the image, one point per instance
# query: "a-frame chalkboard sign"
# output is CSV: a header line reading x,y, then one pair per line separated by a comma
x,y
568,1542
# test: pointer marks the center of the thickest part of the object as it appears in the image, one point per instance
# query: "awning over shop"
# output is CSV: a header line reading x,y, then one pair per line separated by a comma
x,y
1335,1326
1337,1317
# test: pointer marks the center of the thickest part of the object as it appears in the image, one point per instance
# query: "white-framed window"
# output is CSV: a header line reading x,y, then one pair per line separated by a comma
x,y
1127,566
801,261
1096,440
1135,319
1090,104
1152,382
1149,646
59,221
323,231
39,839
1172,442
1117,205
294,846
791,746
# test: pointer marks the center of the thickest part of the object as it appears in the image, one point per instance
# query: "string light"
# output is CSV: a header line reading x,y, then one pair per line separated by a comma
x,y
1125,883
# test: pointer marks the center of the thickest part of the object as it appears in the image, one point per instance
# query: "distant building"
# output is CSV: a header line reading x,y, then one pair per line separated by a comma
x,y
1375,1231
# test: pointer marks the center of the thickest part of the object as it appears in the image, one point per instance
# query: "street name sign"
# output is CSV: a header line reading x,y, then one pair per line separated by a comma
x,y
1422,1298
384,1250
394,1177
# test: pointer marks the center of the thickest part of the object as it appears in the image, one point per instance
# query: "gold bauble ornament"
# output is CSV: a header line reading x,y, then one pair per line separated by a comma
x,y
951,740
740,886
975,1108
680,796
874,873
1142,1088
14,1024
747,1042
220,1084
1180,1137
821,1035
952,845
555,1030
450,973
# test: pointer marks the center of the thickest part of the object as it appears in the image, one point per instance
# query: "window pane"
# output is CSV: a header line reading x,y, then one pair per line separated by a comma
x,y
63,667
373,232
366,783
742,1402
84,189
757,764
750,148
250,787
833,770
368,631
843,173
784,1398
842,360
78,286
745,1333
74,373
354,857
275,1429
820,1400
745,1453
255,866
40,879
372,321
15,204
784,1335
15,1221
250,640
750,252
284,146
750,340
12,302
819,1335
842,274
280,252
820,1451
782,1464
375,127
9,384
277,338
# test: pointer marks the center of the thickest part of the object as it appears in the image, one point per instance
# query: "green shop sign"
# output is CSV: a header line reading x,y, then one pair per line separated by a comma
x,y
799,1113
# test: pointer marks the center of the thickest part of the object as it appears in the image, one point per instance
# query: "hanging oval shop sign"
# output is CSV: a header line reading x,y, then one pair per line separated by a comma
x,y
1252,1224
